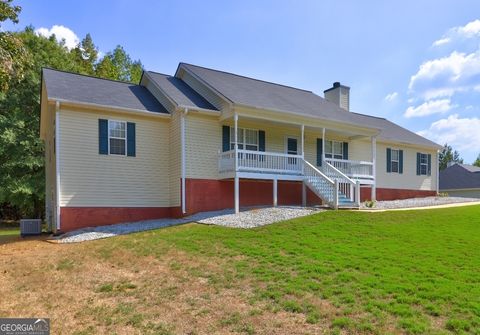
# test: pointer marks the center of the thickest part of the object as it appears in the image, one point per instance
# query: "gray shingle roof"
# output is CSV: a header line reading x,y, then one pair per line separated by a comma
x,y
179,91
80,88
459,176
266,95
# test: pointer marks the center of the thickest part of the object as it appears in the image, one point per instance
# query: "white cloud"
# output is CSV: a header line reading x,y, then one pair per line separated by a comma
x,y
461,133
470,30
441,41
391,96
61,33
428,108
442,77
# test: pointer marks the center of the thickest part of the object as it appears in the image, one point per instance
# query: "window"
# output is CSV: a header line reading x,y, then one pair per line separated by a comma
x,y
423,164
395,160
334,149
247,139
117,137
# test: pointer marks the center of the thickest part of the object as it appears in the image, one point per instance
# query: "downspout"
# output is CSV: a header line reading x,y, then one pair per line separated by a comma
x,y
57,163
183,158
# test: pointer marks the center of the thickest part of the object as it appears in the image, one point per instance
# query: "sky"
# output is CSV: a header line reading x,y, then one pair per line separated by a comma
x,y
417,63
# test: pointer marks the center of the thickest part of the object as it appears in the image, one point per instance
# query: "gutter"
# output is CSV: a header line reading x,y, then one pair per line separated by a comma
x,y
110,108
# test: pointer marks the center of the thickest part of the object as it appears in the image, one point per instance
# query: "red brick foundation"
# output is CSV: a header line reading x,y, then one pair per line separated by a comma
x,y
79,217
393,193
209,195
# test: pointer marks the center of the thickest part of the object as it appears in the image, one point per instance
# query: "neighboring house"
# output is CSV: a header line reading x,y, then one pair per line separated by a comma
x,y
461,180
118,152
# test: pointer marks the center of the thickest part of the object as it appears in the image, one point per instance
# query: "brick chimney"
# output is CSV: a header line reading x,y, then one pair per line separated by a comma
x,y
339,94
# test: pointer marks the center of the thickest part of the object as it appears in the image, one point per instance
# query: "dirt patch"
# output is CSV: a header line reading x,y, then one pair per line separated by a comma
x,y
88,288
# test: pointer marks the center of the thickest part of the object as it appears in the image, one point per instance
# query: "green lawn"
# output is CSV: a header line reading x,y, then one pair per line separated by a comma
x,y
336,272
409,271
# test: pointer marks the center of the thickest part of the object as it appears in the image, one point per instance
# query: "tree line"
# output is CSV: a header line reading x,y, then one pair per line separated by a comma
x,y
22,56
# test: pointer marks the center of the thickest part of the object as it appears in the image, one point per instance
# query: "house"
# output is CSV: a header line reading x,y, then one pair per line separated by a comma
x,y
205,139
461,180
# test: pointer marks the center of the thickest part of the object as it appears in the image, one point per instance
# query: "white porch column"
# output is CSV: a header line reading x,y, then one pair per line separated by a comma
x,y
374,169
275,192
323,145
236,181
303,140
437,171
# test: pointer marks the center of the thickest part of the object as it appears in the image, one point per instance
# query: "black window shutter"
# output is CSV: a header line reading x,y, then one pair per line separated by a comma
x,y
389,160
319,151
225,138
345,150
103,137
429,171
131,150
418,163
400,161
261,140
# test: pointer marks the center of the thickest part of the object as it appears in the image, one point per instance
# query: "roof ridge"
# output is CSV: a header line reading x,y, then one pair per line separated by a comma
x,y
246,77
89,76
372,116
160,73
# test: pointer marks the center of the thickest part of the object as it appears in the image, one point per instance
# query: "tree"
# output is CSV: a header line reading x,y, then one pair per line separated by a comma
x,y
22,176
86,54
477,161
448,155
118,65
21,151
13,55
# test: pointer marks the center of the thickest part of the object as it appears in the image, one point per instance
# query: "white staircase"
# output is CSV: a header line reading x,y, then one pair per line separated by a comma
x,y
332,186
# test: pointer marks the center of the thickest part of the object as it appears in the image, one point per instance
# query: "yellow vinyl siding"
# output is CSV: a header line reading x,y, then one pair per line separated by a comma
x,y
175,160
408,179
203,137
89,179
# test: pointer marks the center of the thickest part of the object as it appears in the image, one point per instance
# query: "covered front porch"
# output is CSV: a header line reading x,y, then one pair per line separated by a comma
x,y
316,155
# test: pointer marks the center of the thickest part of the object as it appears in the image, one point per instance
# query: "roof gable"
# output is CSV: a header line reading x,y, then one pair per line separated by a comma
x,y
178,91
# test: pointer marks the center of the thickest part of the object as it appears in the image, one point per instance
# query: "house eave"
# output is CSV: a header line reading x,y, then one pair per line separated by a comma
x,y
109,108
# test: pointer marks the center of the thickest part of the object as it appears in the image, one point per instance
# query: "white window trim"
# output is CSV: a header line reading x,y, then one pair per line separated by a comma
x,y
118,138
395,160
244,140
425,164
286,143
332,154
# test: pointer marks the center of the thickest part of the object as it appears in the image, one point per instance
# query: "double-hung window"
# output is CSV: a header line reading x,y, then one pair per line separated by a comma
x,y
247,139
117,137
423,164
395,160
333,149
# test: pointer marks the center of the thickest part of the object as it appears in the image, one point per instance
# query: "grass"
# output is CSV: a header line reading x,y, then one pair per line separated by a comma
x,y
412,272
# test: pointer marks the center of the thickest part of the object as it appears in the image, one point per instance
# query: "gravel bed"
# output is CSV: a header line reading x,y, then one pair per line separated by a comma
x,y
418,202
247,218
258,217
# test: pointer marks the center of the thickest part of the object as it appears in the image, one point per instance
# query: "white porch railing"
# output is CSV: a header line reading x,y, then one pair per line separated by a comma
x,y
330,182
260,161
353,169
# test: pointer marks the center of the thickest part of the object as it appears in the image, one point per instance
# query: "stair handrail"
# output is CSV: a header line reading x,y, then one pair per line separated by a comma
x,y
318,171
344,176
